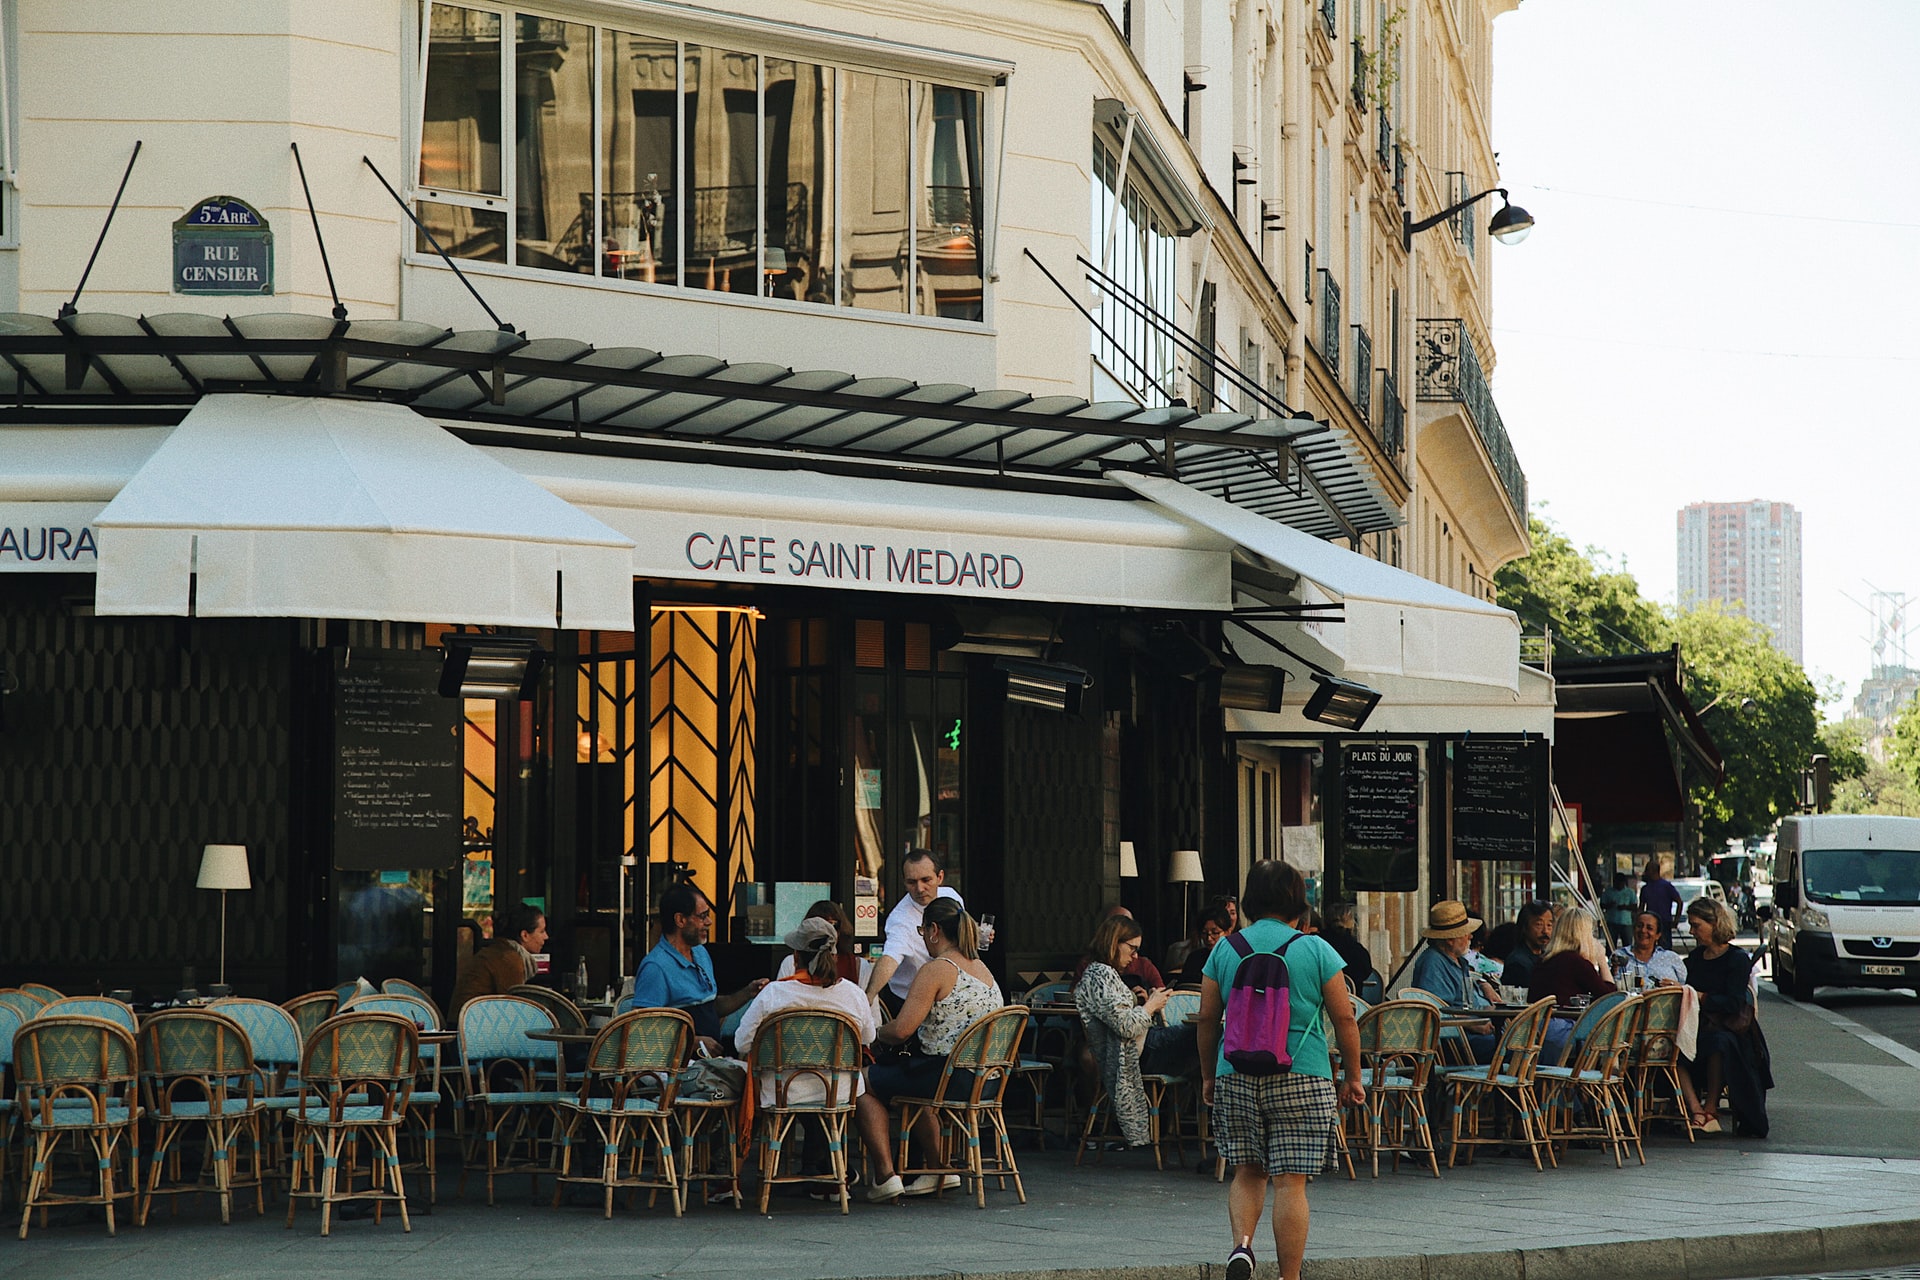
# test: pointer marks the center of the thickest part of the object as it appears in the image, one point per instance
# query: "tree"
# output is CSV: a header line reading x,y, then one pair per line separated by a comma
x,y
1844,743
1730,663
1880,788
1903,744
1593,608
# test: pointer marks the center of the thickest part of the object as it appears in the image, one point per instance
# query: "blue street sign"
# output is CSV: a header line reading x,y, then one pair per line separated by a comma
x,y
222,246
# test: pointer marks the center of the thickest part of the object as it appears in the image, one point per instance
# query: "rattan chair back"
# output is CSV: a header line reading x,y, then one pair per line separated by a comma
x,y
494,1047
990,1049
1180,1006
808,1044
201,1051
420,1012
401,987
1400,1036
1656,1042
270,1029
10,1020
92,1007
42,992
21,1002
310,1010
566,1014
74,1059
355,1053
1517,1052
637,1054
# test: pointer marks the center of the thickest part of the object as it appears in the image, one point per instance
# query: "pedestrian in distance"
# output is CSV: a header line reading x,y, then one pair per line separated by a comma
x,y
1266,1073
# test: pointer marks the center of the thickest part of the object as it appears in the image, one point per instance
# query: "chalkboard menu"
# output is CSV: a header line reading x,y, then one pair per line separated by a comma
x,y
396,769
1499,799
1380,817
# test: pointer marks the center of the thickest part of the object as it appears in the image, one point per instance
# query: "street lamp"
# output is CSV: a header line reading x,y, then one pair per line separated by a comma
x,y
1509,226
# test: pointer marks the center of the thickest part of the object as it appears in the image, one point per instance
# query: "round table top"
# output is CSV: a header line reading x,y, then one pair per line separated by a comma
x,y
553,1035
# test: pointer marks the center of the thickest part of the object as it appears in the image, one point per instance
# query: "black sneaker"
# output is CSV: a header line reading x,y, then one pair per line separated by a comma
x,y
1240,1264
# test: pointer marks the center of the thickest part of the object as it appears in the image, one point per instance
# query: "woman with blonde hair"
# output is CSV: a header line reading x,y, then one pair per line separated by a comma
x,y
1573,966
1730,1052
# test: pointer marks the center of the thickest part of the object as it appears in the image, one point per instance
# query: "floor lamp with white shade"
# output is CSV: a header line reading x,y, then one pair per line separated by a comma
x,y
1185,870
224,867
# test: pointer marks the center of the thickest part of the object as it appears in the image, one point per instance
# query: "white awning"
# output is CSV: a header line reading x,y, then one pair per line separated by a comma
x,y
1397,623
272,506
794,527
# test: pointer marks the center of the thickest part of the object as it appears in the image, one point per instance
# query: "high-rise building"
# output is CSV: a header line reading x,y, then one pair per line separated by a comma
x,y
1746,555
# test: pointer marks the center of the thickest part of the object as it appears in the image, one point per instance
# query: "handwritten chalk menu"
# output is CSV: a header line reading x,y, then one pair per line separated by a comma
x,y
396,771
1499,799
1380,817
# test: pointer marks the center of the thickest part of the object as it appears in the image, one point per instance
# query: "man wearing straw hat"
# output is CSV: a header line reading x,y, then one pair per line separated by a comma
x,y
1442,969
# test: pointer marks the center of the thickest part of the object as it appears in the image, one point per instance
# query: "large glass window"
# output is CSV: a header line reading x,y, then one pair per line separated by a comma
x,y
1134,347
701,166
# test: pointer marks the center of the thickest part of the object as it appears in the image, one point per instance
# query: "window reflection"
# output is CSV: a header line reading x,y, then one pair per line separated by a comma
x,y
947,140
553,144
875,197
722,123
798,230
640,203
460,135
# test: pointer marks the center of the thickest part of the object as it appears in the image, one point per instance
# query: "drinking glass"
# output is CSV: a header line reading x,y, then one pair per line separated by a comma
x,y
986,932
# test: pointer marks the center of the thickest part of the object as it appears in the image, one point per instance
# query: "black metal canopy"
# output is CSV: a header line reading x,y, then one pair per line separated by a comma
x,y
102,367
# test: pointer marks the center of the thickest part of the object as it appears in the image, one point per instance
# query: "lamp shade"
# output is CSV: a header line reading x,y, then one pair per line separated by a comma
x,y
1129,864
224,866
1186,868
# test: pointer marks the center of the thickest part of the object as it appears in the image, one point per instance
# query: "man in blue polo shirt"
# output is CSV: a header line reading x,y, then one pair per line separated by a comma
x,y
678,972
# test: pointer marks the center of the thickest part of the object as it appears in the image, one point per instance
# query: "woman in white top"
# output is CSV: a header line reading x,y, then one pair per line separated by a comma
x,y
818,985
949,993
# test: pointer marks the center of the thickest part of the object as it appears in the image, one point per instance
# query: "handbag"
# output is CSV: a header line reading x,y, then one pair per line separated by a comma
x,y
1737,1023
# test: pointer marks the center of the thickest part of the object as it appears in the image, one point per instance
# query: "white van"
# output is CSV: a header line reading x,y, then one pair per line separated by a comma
x,y
1846,903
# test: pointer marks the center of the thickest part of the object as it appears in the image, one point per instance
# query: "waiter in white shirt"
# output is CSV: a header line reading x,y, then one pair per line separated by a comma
x,y
925,873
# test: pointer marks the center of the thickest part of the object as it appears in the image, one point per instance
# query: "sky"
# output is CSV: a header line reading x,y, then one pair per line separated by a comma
x,y
1721,298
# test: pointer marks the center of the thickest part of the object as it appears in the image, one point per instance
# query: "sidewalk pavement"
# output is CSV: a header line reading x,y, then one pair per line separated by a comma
x,y
1721,1208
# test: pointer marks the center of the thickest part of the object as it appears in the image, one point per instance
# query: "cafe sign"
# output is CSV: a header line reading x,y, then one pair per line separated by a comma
x,y
222,247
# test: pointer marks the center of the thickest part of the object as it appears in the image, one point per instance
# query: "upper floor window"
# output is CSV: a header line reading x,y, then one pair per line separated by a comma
x,y
1133,339
588,150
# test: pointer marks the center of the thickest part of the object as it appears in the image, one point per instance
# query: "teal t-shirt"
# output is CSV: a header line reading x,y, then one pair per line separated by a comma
x,y
1310,963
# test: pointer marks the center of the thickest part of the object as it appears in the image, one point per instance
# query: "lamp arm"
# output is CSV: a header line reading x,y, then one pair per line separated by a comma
x,y
1409,228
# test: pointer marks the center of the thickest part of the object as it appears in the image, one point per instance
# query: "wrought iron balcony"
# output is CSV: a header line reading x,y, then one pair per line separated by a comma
x,y
1392,424
1383,148
1359,88
1363,373
1400,174
1329,308
1329,16
1449,369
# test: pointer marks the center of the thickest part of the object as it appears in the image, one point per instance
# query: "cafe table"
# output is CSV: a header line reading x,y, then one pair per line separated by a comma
x,y
553,1035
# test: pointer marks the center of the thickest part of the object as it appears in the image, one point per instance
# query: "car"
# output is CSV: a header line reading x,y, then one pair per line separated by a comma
x,y
1691,887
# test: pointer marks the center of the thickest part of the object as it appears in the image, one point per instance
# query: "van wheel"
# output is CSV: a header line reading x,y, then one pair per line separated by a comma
x,y
1799,986
1780,981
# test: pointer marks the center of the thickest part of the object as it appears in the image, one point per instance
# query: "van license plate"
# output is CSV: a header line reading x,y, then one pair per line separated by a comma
x,y
1884,970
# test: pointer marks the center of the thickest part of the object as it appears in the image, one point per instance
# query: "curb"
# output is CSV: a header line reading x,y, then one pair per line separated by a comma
x,y
1731,1256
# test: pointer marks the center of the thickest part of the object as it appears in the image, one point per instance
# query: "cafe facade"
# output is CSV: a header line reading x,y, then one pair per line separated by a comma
x,y
806,484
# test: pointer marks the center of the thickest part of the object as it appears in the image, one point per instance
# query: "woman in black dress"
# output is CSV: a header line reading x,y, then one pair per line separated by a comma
x,y
1730,1053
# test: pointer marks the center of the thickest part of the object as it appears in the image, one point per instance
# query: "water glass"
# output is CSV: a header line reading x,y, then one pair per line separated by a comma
x,y
986,932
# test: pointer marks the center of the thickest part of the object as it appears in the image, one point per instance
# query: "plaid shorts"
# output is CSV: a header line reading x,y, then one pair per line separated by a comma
x,y
1282,1122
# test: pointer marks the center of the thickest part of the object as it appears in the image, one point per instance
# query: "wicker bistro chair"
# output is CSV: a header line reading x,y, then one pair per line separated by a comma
x,y
78,1079
1507,1078
566,1014
423,1105
357,1074
42,992
1588,1098
401,987
633,1070
199,1071
10,1020
1583,1026
24,1003
509,1087
92,1007
1654,1058
986,1054
310,1010
275,1038
805,1051
1455,1049
1399,1046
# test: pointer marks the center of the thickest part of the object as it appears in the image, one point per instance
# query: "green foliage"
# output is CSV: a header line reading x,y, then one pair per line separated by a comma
x,y
1594,609
1730,663
1880,788
1903,744
1845,744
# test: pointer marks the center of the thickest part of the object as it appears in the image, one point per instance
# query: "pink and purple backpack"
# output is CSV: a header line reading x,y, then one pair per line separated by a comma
x,y
1258,1010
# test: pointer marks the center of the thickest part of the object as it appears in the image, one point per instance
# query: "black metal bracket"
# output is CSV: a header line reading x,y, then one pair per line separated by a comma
x,y
72,305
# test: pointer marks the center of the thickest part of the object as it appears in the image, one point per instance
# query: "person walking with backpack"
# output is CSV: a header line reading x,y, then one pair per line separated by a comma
x,y
1268,996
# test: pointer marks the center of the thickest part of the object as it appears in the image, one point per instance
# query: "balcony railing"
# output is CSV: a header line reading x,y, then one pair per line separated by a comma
x,y
1329,308
1400,174
1358,91
1450,370
1383,147
1329,16
1392,426
1363,373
